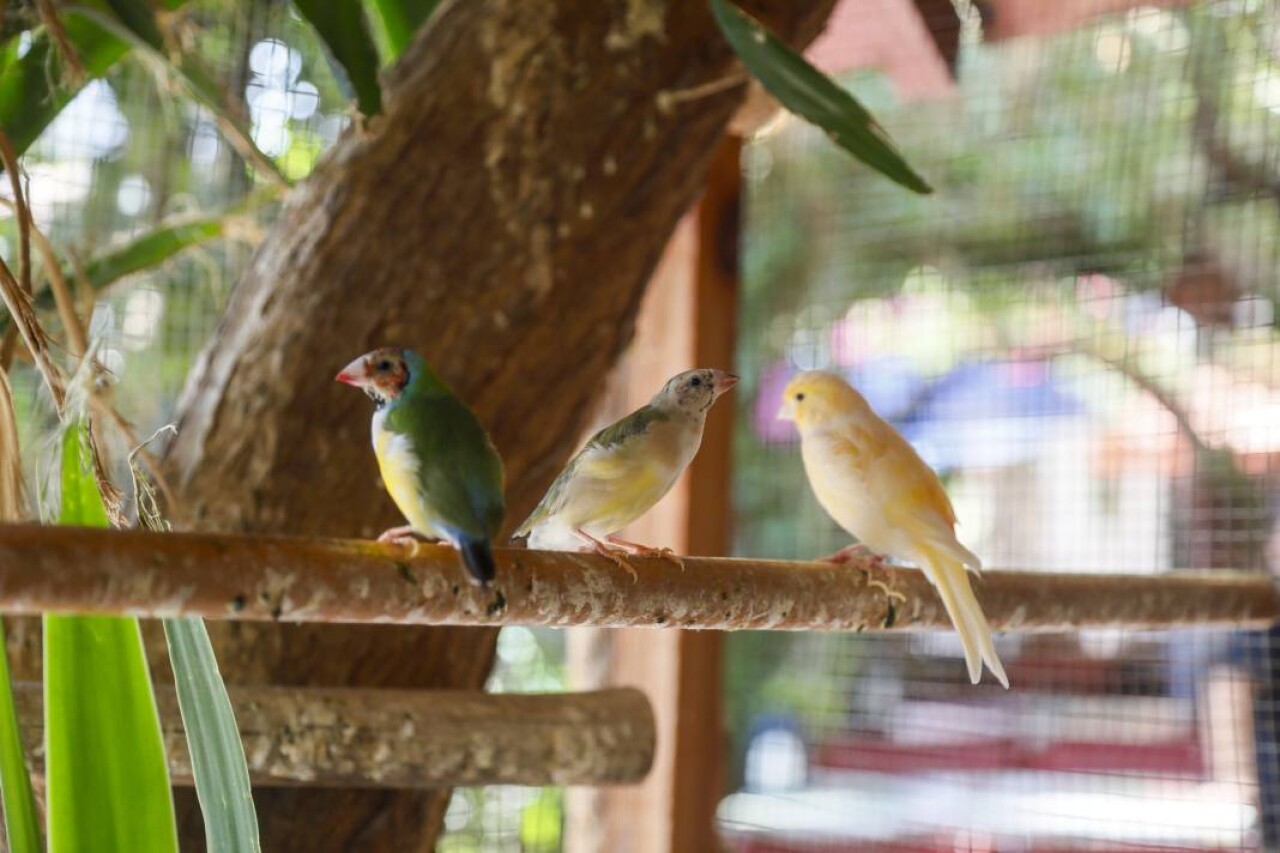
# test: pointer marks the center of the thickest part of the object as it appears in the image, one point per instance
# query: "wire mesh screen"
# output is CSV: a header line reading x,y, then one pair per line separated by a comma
x,y
509,818
126,158
1077,331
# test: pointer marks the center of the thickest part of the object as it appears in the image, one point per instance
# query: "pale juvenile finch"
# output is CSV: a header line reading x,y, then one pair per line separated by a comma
x,y
625,469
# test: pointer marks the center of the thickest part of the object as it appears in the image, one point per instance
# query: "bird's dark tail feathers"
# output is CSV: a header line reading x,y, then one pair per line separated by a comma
x,y
478,556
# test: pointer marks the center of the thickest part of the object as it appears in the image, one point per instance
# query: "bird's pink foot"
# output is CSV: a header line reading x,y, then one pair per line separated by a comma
x,y
876,561
615,554
645,551
404,536
850,553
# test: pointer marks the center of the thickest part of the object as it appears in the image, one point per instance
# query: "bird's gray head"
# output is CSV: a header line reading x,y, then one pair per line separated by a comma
x,y
693,391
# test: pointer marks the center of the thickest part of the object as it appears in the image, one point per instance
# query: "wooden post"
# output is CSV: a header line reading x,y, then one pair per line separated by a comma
x,y
688,320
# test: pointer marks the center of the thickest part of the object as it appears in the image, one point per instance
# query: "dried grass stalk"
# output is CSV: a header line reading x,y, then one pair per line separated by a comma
x,y
11,490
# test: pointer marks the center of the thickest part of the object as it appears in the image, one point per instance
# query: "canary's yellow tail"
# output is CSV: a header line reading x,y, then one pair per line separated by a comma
x,y
952,582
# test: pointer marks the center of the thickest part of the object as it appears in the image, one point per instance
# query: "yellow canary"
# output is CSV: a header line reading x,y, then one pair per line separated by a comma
x,y
873,483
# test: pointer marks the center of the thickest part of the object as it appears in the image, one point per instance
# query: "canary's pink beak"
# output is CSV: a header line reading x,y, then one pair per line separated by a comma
x,y
723,382
354,374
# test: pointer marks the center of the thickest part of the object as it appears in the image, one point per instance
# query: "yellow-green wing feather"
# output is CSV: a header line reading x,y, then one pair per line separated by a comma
x,y
633,425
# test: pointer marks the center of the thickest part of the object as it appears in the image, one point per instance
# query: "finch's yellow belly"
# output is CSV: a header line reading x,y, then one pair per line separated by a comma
x,y
606,507
399,469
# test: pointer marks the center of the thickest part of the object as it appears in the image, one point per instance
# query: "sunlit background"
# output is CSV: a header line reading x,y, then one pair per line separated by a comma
x,y
1078,330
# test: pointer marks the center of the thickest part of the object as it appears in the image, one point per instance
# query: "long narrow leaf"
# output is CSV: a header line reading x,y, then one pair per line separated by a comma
x,y
213,739
162,243
342,27
21,821
106,775
146,251
812,95
394,22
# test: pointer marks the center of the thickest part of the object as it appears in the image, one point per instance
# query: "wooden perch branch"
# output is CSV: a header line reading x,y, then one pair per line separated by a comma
x,y
414,739
262,578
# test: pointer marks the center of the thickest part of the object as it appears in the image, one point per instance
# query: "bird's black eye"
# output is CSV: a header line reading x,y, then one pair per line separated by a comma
x,y
695,381
799,396
384,365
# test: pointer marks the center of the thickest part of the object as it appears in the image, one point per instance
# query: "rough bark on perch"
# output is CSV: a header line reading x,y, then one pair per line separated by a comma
x,y
502,216
326,737
266,579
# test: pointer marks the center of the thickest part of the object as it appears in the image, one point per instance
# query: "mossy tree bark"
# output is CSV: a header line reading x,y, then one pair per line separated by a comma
x,y
502,217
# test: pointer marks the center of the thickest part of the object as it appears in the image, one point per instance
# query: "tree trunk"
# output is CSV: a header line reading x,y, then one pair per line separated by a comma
x,y
502,218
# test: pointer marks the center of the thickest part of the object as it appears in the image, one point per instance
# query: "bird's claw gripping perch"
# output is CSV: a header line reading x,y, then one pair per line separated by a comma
x,y
876,561
666,554
404,536
639,550
614,554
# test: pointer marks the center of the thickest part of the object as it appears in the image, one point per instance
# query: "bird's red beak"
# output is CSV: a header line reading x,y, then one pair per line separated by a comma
x,y
353,374
723,382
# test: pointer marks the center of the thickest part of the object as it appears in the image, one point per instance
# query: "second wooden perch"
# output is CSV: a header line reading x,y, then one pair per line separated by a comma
x,y
324,737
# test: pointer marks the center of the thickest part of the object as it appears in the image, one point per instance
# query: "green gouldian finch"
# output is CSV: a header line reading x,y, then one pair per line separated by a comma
x,y
625,469
436,460
873,483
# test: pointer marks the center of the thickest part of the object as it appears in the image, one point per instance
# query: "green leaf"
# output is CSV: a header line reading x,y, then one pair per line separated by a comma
x,y
145,252
213,739
342,27
394,23
35,85
106,775
812,95
140,18
21,821
81,501
153,248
